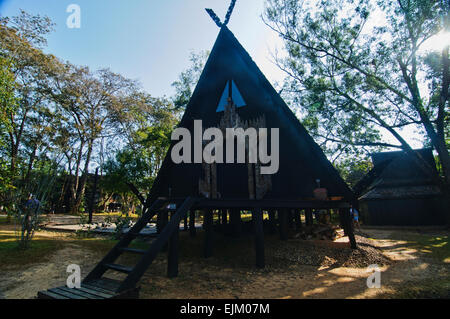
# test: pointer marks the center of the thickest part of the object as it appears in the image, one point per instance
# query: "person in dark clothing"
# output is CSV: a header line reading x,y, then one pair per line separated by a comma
x,y
31,210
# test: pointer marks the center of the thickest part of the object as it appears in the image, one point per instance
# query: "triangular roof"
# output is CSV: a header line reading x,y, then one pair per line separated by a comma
x,y
302,161
403,167
399,176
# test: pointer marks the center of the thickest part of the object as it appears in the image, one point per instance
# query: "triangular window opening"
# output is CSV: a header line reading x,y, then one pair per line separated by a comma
x,y
235,95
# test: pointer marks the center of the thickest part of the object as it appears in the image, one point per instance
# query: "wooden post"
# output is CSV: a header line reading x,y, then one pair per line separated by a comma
x,y
164,222
209,235
158,223
342,222
308,217
298,220
349,225
192,230
282,217
290,216
235,220
185,228
172,256
257,217
272,222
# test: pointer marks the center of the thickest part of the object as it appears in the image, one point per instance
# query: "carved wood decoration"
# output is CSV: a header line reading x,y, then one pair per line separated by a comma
x,y
258,184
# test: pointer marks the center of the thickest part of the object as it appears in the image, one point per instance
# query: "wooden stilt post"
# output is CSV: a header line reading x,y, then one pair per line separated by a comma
x,y
342,222
272,222
158,223
290,218
308,217
209,235
192,230
298,220
257,216
236,221
172,256
233,221
282,217
349,225
185,228
164,222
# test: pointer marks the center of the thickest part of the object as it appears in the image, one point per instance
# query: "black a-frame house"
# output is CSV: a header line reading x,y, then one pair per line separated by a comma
x,y
230,79
302,161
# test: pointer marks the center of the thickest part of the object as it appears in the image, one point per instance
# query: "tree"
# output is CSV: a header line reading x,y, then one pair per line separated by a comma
x,y
21,41
147,124
90,103
25,117
354,79
8,104
187,80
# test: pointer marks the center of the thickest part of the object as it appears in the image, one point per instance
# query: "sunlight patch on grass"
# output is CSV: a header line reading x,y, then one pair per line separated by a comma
x,y
434,246
439,288
12,257
442,244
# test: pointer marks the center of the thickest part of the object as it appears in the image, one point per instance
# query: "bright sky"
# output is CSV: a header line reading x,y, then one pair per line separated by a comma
x,y
150,40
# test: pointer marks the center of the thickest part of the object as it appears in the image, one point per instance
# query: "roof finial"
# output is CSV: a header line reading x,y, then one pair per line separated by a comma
x,y
216,19
214,16
230,11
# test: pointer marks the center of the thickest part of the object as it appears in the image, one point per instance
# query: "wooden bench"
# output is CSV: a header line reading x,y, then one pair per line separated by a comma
x,y
104,288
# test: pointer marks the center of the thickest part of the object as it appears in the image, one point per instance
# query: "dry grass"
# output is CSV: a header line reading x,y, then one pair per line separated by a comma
x,y
295,268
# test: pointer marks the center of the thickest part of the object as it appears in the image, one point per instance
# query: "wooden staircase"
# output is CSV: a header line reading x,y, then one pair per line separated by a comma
x,y
95,286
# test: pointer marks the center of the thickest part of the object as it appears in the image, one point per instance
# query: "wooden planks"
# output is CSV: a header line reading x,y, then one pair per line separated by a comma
x,y
50,295
119,268
104,288
114,253
156,246
133,250
76,293
96,287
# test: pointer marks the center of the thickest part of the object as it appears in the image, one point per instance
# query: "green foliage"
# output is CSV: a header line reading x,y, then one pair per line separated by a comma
x,y
139,161
188,79
122,222
355,72
353,170
55,112
8,104
28,219
8,100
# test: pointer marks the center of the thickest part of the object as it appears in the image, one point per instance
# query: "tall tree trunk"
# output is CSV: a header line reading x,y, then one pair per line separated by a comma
x,y
30,164
82,183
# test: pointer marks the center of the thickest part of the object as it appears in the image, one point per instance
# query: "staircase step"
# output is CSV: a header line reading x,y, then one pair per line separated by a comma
x,y
143,234
105,284
119,268
133,250
107,290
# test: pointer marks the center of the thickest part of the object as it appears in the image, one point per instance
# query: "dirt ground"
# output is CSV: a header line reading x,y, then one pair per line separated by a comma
x,y
294,269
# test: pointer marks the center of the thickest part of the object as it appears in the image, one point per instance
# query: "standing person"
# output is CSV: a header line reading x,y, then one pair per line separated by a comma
x,y
30,218
355,217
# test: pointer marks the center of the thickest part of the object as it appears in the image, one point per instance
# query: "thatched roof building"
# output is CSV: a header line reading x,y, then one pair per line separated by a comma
x,y
398,192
